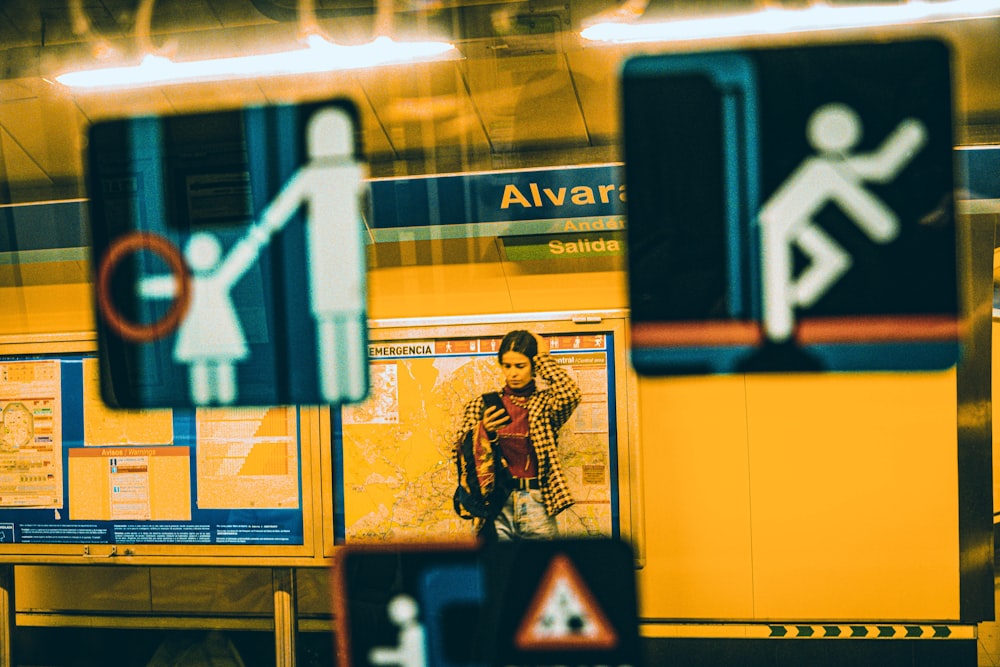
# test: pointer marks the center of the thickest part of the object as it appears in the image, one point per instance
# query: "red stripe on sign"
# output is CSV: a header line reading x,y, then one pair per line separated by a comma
x,y
656,334
902,329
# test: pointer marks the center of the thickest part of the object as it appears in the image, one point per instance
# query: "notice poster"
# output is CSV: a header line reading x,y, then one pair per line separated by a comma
x,y
30,440
73,471
394,450
248,458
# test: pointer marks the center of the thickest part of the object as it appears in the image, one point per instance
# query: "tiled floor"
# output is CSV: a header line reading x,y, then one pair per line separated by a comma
x,y
989,640
989,633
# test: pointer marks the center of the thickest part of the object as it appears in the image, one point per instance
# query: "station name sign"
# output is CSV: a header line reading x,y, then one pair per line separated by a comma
x,y
563,246
565,200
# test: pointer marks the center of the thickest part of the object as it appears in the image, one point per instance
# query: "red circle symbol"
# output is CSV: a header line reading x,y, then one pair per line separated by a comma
x,y
117,251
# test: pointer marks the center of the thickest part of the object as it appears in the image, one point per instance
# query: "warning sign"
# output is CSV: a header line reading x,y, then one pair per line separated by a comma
x,y
563,602
564,614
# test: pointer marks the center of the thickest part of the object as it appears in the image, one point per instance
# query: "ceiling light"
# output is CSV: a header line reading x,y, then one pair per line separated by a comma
x,y
321,55
820,16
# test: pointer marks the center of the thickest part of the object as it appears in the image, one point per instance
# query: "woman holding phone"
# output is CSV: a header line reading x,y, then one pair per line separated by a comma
x,y
525,432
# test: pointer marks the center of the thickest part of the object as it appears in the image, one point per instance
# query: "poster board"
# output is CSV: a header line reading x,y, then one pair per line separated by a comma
x,y
164,455
393,473
81,481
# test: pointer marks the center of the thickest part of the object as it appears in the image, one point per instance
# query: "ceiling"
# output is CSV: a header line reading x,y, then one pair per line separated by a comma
x,y
525,91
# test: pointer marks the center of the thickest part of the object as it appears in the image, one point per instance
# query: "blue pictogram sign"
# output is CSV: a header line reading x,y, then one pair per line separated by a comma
x,y
791,209
230,255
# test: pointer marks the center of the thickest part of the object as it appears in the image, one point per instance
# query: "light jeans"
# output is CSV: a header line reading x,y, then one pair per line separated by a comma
x,y
524,517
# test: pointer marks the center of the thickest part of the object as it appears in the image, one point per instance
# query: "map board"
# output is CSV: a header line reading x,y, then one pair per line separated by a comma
x,y
74,472
393,460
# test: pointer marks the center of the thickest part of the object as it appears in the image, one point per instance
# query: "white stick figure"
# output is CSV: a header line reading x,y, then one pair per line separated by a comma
x,y
210,337
331,186
412,649
832,176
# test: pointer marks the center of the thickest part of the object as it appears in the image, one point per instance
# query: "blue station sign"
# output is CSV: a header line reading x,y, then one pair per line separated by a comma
x,y
499,203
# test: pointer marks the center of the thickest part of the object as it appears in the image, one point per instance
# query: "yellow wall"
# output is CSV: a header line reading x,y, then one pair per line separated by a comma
x,y
696,482
470,277
854,498
813,497
995,379
45,298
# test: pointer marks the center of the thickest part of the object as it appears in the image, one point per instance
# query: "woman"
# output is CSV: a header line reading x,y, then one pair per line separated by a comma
x,y
524,431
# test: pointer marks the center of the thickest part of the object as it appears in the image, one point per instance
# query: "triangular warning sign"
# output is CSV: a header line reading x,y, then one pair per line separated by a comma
x,y
564,614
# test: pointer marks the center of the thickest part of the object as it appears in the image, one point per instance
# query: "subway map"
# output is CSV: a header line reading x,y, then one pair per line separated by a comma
x,y
398,471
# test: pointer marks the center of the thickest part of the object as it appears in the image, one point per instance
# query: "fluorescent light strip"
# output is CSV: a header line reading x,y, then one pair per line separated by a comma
x,y
820,16
320,56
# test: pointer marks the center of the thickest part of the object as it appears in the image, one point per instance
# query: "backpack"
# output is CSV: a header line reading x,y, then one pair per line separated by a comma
x,y
469,500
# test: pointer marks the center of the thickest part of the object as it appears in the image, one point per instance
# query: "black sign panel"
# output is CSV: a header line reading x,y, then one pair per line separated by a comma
x,y
791,209
559,602
229,250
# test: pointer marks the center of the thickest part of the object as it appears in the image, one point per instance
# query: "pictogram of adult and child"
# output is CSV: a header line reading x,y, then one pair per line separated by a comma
x,y
210,339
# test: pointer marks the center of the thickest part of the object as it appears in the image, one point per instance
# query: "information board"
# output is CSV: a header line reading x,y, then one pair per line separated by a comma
x,y
73,471
393,453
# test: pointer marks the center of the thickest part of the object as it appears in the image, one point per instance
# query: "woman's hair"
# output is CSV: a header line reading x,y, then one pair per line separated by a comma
x,y
521,341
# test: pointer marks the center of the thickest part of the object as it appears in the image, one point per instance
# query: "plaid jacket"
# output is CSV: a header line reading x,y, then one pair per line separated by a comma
x,y
548,409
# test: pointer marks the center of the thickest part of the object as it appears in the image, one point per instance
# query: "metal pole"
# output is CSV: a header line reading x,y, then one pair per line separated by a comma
x,y
7,618
285,616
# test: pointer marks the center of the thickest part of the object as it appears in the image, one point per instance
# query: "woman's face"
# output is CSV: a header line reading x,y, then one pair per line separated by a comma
x,y
516,369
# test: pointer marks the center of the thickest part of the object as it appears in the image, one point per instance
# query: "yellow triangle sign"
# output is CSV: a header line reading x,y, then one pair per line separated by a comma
x,y
564,614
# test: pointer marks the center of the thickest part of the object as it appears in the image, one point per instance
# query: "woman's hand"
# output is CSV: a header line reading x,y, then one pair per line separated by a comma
x,y
494,418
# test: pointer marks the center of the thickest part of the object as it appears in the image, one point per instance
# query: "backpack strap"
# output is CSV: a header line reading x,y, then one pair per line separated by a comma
x,y
469,500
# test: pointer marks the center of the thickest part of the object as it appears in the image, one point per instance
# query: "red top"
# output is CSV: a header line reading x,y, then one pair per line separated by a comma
x,y
514,438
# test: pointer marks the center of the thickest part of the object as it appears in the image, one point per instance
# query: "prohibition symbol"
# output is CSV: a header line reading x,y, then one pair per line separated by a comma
x,y
117,251
564,614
